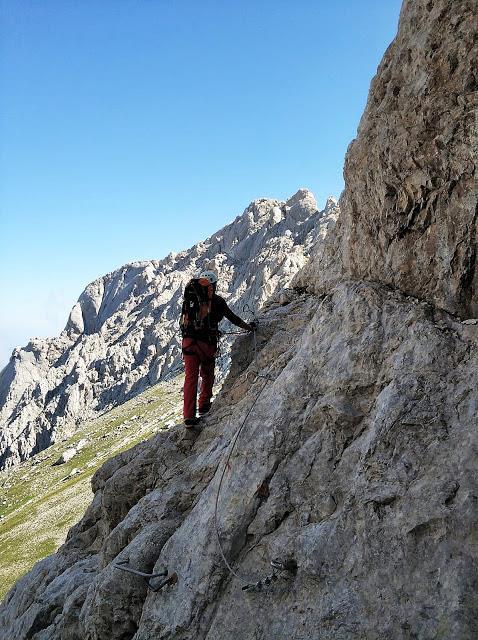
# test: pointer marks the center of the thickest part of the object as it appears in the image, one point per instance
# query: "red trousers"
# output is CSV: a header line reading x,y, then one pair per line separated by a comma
x,y
199,359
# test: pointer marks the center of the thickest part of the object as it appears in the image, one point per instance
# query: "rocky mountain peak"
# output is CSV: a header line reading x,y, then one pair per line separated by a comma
x,y
302,196
122,334
331,203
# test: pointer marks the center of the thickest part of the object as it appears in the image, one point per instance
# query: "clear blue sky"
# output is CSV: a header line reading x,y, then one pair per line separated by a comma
x,y
131,128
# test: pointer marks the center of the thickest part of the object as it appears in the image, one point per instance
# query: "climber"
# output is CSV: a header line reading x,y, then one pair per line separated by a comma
x,y
202,311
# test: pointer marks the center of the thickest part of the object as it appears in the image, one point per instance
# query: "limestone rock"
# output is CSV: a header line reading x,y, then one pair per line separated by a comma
x,y
123,335
410,204
356,460
66,456
81,444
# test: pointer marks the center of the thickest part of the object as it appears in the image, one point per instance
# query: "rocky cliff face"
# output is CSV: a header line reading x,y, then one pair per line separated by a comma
x,y
358,461
410,209
348,442
122,334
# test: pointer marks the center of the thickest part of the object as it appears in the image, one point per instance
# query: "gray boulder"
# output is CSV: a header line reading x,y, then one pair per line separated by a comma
x,y
66,456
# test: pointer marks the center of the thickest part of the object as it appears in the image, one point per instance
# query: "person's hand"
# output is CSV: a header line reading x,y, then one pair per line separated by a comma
x,y
252,326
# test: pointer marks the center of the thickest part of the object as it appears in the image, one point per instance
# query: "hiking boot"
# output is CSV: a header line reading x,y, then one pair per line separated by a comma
x,y
192,422
205,409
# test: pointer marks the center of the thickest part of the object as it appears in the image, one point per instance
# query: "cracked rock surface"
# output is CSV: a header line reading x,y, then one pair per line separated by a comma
x,y
358,453
123,334
362,469
410,205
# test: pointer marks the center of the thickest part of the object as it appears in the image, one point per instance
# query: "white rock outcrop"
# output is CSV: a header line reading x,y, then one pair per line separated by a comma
x,y
122,334
66,456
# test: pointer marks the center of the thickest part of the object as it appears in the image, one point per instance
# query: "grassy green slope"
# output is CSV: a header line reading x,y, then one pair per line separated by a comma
x,y
39,502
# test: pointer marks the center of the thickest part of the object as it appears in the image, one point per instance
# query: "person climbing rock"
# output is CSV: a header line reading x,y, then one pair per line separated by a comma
x,y
202,311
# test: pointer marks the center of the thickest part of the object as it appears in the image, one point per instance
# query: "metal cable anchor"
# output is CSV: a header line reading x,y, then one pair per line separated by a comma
x,y
278,566
148,577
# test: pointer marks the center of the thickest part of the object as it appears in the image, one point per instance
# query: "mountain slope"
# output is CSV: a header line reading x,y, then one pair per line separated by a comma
x,y
122,335
40,499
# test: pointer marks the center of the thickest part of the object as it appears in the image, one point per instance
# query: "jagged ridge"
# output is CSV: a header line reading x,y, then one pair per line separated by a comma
x,y
122,335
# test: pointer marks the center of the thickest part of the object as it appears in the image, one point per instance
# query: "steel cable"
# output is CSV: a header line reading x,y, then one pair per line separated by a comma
x,y
226,464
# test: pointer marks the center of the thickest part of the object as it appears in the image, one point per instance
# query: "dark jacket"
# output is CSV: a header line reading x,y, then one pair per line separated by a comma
x,y
219,310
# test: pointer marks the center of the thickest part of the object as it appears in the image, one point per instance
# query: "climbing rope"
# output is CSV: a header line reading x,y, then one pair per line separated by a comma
x,y
234,333
234,440
279,567
276,565
226,464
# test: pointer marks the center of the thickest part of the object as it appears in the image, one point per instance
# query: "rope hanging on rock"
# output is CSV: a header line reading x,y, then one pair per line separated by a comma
x,y
266,379
226,464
